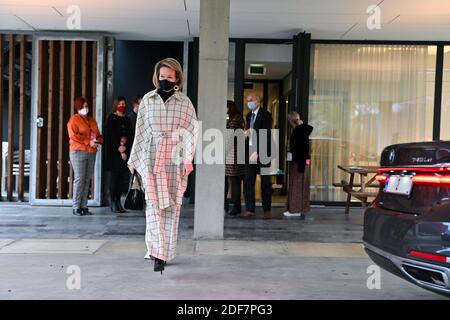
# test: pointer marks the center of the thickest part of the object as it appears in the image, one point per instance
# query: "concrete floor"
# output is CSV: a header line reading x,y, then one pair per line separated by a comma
x,y
317,258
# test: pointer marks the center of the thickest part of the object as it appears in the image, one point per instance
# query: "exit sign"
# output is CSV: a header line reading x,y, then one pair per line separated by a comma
x,y
256,70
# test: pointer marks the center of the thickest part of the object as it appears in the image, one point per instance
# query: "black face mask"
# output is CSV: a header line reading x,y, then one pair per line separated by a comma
x,y
166,85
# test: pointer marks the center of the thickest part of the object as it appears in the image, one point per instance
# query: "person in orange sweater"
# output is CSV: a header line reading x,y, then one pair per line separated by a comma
x,y
84,140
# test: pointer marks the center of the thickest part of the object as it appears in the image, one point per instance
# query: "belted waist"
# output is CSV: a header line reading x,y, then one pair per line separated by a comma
x,y
166,134
158,133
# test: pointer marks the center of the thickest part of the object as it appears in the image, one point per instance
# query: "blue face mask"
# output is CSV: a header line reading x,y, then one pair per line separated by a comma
x,y
252,105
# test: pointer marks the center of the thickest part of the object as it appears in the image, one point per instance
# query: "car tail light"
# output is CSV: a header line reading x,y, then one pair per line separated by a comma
x,y
417,169
381,178
429,256
435,180
433,176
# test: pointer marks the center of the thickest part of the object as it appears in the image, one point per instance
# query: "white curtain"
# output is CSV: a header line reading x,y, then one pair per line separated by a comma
x,y
445,108
364,98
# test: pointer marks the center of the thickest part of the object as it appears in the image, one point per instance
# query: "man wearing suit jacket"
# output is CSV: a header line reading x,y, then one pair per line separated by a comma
x,y
257,156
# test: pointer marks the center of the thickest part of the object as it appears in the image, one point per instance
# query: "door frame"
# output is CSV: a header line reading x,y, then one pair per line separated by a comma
x,y
101,62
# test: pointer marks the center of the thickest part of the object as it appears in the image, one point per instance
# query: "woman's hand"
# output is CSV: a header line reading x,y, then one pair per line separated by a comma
x,y
122,149
188,168
131,168
93,144
254,157
308,162
124,156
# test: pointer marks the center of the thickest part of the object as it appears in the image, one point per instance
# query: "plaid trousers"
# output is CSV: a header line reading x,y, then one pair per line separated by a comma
x,y
161,232
83,164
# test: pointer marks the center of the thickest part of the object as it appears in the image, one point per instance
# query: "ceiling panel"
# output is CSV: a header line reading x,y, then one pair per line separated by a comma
x,y
128,13
20,10
167,19
301,6
421,7
144,5
10,22
192,5
295,18
401,32
416,19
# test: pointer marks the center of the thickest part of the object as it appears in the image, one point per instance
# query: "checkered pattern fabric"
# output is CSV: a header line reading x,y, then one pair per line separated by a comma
x,y
161,232
165,138
83,164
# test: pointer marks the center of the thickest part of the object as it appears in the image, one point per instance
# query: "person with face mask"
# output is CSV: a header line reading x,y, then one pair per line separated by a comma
x,y
162,155
118,134
84,141
257,156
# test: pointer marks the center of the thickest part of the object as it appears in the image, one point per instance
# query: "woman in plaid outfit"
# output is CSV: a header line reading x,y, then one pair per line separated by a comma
x,y
162,154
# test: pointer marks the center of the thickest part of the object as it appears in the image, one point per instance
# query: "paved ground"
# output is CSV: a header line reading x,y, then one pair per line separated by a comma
x,y
317,258
322,225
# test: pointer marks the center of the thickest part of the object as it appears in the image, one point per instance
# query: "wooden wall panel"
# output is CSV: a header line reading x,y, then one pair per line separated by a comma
x,y
94,77
52,116
93,85
64,115
67,69
42,132
75,89
11,107
22,97
1,110
84,71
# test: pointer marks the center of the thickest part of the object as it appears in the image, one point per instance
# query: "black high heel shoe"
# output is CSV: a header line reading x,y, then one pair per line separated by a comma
x,y
86,211
159,265
119,207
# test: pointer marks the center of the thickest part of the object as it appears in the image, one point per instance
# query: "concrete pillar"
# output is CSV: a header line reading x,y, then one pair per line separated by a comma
x,y
212,97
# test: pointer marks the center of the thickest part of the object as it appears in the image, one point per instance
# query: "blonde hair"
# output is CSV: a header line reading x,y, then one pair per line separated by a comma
x,y
293,114
172,64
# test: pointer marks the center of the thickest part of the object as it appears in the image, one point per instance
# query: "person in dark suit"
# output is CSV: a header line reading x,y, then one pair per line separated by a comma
x,y
257,156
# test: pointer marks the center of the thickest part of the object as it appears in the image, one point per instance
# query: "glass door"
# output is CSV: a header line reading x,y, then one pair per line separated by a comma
x,y
64,68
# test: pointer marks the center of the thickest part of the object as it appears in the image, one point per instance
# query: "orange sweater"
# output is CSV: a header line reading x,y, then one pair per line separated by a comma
x,y
80,129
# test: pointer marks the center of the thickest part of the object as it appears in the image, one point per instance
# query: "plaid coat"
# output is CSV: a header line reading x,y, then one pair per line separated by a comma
x,y
165,139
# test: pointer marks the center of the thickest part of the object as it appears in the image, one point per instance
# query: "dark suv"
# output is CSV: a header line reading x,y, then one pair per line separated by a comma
x,y
407,227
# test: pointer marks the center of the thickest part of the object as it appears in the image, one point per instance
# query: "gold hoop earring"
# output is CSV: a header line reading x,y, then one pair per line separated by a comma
x,y
176,88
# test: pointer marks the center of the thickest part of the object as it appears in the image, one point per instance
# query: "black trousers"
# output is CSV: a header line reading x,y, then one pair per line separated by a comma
x,y
251,170
236,182
118,182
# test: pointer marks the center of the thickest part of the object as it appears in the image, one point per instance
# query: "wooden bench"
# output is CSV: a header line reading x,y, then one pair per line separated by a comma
x,y
356,185
363,195
358,190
